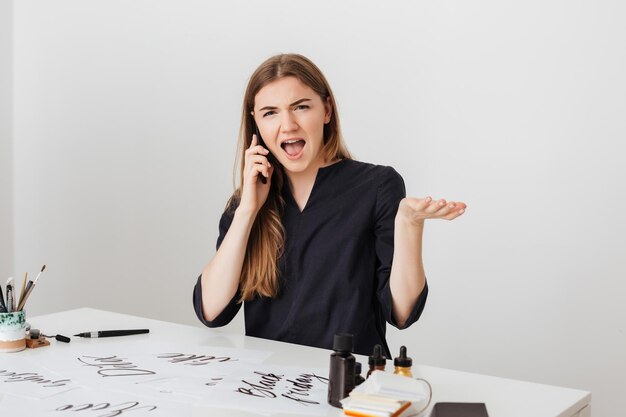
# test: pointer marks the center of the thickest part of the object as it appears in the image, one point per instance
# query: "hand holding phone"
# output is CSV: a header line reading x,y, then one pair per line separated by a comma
x,y
258,159
256,166
262,143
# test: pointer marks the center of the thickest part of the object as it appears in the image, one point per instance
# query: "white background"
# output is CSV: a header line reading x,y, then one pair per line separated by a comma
x,y
118,123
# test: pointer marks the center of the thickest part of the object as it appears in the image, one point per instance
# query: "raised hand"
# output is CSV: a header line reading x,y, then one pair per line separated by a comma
x,y
416,210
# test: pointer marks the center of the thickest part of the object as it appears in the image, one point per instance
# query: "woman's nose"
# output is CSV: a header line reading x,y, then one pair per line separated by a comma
x,y
288,122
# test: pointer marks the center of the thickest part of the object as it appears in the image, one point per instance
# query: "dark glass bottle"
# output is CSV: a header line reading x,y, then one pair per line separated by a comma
x,y
403,364
342,369
377,360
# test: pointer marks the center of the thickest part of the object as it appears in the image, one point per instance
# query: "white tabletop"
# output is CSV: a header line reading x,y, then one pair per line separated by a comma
x,y
503,397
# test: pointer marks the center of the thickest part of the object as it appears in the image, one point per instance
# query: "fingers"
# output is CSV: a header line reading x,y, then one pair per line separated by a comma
x,y
255,148
436,206
256,159
258,164
448,210
428,208
261,170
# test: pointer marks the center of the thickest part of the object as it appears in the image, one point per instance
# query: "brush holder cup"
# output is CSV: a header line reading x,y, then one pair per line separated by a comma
x,y
12,331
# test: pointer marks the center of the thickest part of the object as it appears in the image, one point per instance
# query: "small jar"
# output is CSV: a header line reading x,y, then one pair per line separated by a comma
x,y
12,331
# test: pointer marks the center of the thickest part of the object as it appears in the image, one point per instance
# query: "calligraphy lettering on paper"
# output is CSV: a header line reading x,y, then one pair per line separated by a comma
x,y
213,382
110,410
264,388
194,360
13,377
297,389
114,366
301,388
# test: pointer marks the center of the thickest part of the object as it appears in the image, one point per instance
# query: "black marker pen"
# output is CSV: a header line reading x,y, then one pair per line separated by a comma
x,y
111,333
11,307
3,307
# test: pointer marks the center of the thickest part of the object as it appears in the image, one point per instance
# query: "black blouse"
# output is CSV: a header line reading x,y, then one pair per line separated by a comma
x,y
335,270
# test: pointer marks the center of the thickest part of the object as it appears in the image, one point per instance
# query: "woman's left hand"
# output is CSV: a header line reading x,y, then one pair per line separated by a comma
x,y
416,210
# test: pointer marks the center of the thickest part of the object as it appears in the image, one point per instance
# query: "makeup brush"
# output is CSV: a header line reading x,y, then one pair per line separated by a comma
x,y
30,284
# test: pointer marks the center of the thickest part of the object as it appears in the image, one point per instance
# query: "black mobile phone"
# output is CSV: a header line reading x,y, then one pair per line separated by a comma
x,y
459,410
270,157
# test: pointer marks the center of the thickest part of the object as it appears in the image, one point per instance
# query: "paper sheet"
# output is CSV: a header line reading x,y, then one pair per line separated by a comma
x,y
110,366
84,402
272,389
156,377
21,377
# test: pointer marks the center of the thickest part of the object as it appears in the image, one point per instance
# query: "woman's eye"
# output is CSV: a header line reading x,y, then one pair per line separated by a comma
x,y
302,106
269,113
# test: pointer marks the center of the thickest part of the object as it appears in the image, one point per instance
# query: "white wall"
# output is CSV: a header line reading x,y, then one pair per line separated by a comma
x,y
126,113
6,142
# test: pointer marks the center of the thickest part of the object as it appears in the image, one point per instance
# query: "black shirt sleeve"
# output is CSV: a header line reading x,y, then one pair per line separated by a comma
x,y
230,311
390,191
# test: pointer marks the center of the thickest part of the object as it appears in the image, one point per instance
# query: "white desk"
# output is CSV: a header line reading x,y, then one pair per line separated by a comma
x,y
503,397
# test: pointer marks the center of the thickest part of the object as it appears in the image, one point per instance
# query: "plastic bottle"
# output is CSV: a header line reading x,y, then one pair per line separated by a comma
x,y
377,361
342,369
358,379
403,364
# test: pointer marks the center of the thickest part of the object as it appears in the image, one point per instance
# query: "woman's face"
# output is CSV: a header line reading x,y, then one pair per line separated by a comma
x,y
291,118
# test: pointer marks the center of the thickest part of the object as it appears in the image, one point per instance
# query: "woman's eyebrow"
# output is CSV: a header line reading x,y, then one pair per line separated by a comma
x,y
295,103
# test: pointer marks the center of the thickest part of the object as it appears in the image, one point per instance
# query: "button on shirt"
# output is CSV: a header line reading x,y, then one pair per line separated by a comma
x,y
335,269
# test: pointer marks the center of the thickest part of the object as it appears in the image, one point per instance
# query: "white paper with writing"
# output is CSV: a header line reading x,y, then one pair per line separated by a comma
x,y
274,389
157,377
84,402
147,362
22,377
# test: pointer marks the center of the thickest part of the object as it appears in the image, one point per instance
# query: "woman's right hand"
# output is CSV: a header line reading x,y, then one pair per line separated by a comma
x,y
254,192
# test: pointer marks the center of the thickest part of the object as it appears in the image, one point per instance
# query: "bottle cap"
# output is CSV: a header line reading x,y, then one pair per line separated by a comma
x,y
377,358
402,360
342,342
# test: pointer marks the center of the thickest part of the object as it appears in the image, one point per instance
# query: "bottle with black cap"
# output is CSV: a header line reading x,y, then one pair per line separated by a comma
x,y
358,379
403,364
377,361
342,369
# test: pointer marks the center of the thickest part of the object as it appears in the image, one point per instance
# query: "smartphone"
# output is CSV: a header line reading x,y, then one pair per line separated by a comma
x,y
270,157
459,410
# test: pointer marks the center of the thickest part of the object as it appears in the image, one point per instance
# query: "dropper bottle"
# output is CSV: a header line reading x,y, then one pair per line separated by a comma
x,y
403,364
377,361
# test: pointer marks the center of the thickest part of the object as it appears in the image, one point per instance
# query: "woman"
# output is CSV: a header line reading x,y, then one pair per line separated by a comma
x,y
307,240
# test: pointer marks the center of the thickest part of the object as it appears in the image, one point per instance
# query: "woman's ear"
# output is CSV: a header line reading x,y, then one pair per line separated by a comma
x,y
329,111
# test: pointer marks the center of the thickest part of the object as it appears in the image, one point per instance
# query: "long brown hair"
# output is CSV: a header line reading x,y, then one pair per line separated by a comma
x,y
260,272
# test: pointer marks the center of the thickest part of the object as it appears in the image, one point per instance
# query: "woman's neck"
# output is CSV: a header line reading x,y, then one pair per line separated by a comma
x,y
301,183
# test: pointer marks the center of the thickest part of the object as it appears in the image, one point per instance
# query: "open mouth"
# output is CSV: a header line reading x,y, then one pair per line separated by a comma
x,y
293,147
